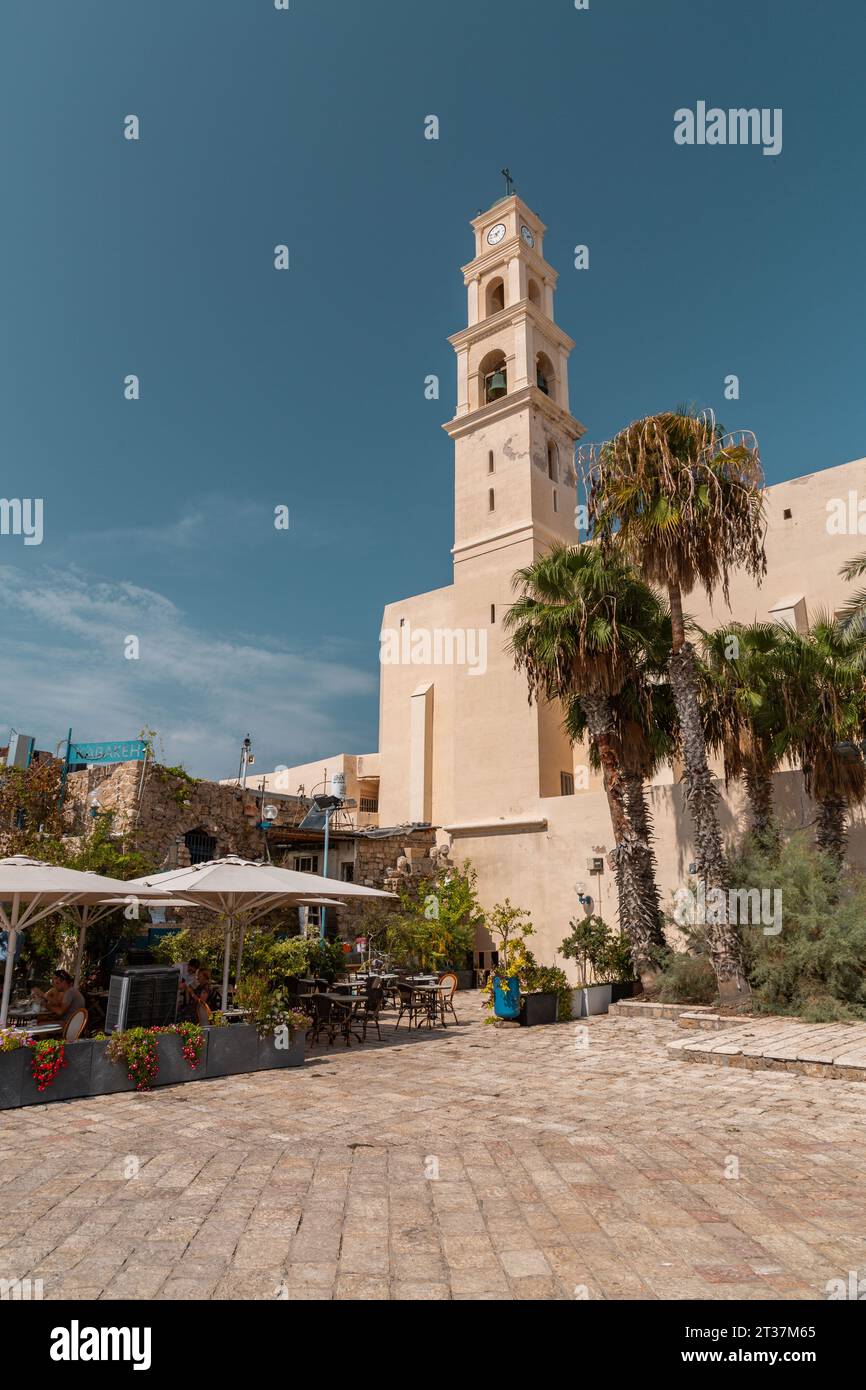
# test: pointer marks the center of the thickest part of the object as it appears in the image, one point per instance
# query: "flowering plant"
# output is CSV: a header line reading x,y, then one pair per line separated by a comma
x,y
137,1049
11,1039
191,1040
48,1057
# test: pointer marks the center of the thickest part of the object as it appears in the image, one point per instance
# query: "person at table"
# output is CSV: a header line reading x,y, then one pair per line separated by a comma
x,y
188,980
51,998
189,972
192,999
64,999
204,989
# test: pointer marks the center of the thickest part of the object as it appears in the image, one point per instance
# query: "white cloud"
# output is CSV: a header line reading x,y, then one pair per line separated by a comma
x,y
63,663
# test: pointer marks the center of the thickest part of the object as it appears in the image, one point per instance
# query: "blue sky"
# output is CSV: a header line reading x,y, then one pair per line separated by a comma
x,y
306,388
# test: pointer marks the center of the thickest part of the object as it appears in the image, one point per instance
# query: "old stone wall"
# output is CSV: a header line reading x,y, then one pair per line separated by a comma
x,y
154,815
386,861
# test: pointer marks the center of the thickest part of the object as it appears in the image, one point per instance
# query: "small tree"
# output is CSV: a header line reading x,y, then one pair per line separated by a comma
x,y
437,921
509,927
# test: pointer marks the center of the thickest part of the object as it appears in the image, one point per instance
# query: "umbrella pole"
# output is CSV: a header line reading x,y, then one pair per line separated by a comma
x,y
240,954
79,952
226,963
11,943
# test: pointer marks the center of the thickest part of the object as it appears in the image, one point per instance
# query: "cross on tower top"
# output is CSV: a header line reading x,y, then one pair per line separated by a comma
x,y
509,182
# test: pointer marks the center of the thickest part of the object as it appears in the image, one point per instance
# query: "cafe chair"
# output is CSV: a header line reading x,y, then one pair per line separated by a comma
x,y
410,1004
75,1025
368,1008
320,1009
446,996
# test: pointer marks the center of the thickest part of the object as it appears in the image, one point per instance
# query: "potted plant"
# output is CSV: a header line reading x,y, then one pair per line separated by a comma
x,y
108,1072
596,951
233,1049
281,1033
509,927
58,1071
546,994
180,1053
621,967
136,1051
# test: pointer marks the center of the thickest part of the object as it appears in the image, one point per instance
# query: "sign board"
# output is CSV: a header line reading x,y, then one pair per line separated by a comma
x,y
132,750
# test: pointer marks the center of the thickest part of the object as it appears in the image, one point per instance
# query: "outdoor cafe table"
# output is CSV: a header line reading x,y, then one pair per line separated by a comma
x,y
437,990
35,1023
347,1001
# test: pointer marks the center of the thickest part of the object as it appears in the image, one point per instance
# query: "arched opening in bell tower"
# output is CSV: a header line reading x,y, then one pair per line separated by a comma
x,y
494,298
545,377
493,376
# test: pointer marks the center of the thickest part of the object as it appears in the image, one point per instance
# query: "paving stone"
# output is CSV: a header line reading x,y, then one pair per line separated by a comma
x,y
555,1177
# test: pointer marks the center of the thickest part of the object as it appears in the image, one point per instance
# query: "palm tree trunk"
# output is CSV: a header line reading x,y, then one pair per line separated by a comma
x,y
634,917
641,819
702,799
759,789
832,831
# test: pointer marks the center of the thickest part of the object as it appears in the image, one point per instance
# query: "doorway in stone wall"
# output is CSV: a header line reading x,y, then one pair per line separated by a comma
x,y
200,845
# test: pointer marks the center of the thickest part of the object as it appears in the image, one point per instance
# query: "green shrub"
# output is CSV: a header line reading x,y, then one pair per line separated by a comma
x,y
816,966
687,979
548,977
602,955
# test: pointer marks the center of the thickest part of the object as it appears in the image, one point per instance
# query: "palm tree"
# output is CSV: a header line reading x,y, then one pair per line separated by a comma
x,y
684,503
852,618
578,623
744,714
821,677
646,735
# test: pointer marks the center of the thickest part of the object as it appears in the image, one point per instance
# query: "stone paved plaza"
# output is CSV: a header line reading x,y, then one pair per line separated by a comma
x,y
527,1163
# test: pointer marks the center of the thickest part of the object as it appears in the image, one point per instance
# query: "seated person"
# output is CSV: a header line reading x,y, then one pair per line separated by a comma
x,y
206,990
51,998
189,973
64,997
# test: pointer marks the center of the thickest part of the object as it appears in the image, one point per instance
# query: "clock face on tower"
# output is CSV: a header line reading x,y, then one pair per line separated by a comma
x,y
495,235
527,236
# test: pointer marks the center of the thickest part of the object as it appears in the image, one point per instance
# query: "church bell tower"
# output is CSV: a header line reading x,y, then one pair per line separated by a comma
x,y
514,438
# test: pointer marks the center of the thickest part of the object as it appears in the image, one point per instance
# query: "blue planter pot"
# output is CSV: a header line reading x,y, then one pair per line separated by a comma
x,y
506,1002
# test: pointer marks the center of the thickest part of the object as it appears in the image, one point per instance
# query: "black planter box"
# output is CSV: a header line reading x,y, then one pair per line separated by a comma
x,y
622,990
271,1056
71,1081
538,1008
174,1069
12,1066
465,979
234,1048
106,1076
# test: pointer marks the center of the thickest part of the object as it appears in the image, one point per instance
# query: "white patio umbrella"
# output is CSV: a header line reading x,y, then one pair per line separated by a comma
x,y
244,890
87,915
31,890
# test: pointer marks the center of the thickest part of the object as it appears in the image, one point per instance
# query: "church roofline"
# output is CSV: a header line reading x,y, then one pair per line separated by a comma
x,y
513,200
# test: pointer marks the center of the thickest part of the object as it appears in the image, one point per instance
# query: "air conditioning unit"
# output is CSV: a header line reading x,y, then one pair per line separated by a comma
x,y
142,996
